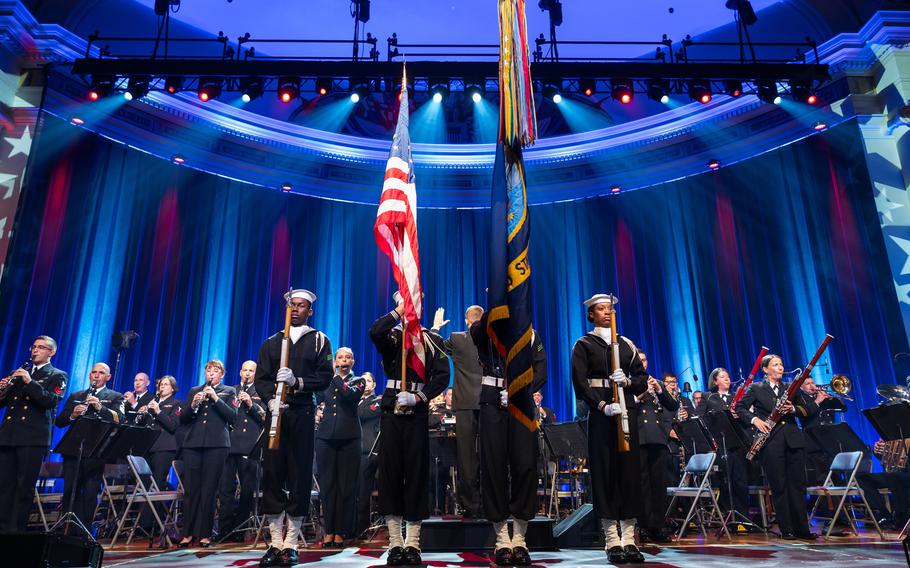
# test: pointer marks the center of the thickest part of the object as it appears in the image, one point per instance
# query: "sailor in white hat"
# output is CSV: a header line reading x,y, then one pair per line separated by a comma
x,y
615,474
288,470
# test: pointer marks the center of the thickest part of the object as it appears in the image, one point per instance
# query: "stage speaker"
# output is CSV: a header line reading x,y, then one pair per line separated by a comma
x,y
49,550
581,529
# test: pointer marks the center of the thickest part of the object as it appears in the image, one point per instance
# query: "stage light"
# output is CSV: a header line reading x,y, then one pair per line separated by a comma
x,y
439,90
209,88
552,92
286,187
288,89
173,84
101,86
359,93
767,92
615,189
733,88
138,87
587,87
802,92
700,91
621,89
77,120
178,159
473,90
657,91
820,126
713,164
323,86
251,88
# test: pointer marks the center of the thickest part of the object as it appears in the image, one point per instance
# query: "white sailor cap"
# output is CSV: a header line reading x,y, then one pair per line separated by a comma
x,y
601,299
300,293
396,297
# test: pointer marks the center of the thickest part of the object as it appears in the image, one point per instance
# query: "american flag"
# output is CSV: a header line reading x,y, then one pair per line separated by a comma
x,y
396,233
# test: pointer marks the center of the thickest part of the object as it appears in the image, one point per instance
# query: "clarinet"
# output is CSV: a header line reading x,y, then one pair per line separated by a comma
x,y
14,381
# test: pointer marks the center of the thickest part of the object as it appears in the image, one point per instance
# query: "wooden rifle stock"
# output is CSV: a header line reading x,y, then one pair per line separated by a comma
x,y
742,388
760,439
623,432
280,391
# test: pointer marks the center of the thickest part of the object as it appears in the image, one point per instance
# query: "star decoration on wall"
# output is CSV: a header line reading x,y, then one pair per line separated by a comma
x,y
21,145
903,292
905,246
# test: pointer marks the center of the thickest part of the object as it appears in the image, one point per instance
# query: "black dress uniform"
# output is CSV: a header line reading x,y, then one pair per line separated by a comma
x,y
25,435
508,450
615,483
677,455
131,413
368,412
205,449
288,471
782,457
735,460
655,420
404,452
338,453
92,470
243,461
164,450
466,385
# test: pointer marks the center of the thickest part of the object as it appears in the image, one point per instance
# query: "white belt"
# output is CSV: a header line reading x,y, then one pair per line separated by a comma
x,y
599,383
413,387
494,382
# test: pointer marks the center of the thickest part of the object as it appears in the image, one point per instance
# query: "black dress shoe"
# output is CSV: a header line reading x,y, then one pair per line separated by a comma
x,y
502,557
185,543
271,558
644,535
395,557
616,555
806,536
521,556
412,556
633,555
288,557
788,536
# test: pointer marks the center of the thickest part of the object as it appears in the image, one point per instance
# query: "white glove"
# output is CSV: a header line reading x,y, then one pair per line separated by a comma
x,y
613,409
406,398
274,405
620,379
287,377
504,397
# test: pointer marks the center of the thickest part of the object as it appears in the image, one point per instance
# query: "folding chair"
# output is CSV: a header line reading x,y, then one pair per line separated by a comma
x,y
696,485
846,463
49,471
114,487
145,493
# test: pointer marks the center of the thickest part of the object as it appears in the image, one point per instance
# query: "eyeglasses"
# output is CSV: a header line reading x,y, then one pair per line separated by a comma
x,y
42,347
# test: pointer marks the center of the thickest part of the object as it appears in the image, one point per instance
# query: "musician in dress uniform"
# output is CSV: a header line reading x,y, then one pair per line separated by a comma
x,y
162,413
404,454
207,413
287,480
102,403
243,461
466,405
783,455
508,448
368,412
30,395
138,398
656,410
615,475
719,401
338,450
544,414
684,412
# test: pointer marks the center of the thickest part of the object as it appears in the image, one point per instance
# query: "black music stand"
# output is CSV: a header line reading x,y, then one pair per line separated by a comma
x,y
732,437
891,421
442,455
836,438
569,442
128,440
694,435
83,439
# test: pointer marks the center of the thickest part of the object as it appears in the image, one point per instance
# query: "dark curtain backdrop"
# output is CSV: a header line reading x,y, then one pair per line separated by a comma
x,y
776,250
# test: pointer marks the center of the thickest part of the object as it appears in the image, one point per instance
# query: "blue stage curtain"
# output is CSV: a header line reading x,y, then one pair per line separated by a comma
x,y
776,250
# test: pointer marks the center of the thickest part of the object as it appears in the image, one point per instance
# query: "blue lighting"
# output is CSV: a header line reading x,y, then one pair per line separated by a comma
x,y
476,97
355,98
437,97
557,98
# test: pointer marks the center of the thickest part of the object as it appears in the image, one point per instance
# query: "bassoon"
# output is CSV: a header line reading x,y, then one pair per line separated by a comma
x,y
619,396
280,390
762,437
742,388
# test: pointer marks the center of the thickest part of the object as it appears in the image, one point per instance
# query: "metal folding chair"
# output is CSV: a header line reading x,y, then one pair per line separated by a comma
x,y
846,464
696,485
145,493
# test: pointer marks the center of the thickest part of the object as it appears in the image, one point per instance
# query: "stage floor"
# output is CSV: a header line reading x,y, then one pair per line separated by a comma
x,y
757,552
